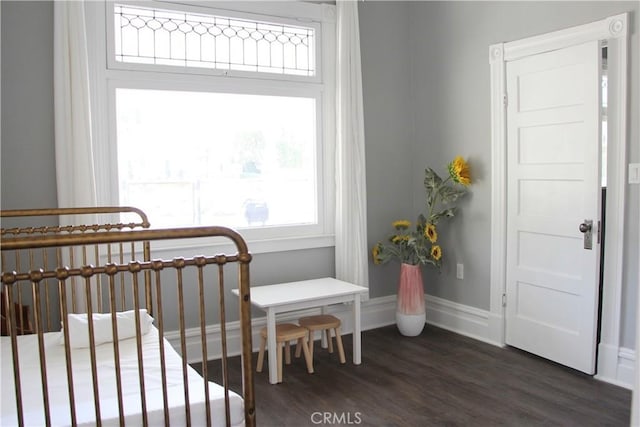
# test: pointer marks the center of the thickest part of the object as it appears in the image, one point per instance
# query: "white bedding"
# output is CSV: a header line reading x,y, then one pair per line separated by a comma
x,y
83,386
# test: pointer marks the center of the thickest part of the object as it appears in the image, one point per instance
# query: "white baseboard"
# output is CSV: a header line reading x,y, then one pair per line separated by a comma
x,y
459,318
616,365
375,313
626,367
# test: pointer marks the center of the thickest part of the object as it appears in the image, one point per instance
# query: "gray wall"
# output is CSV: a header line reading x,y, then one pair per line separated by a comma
x,y
449,98
388,116
426,99
28,163
452,105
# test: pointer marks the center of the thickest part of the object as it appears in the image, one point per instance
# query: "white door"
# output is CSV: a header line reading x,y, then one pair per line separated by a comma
x,y
553,170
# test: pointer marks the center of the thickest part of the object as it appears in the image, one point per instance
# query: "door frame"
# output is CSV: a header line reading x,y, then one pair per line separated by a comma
x,y
615,31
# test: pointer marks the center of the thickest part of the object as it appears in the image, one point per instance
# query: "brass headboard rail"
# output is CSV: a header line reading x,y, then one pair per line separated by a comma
x,y
52,241
143,221
84,220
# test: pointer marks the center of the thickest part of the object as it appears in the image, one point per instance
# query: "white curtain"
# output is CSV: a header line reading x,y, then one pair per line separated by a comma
x,y
74,155
351,202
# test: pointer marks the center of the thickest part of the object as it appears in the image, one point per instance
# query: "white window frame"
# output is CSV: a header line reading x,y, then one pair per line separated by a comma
x,y
106,75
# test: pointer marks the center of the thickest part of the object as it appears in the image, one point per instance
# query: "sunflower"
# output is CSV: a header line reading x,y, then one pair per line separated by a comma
x,y
416,243
398,238
459,171
430,233
376,252
436,252
402,224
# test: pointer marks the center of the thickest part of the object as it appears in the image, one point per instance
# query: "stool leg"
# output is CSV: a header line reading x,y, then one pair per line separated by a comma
x,y
280,349
338,333
307,355
287,353
298,348
311,336
329,341
304,342
263,343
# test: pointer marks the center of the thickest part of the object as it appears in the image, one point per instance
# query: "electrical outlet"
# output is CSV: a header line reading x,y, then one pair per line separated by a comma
x,y
634,173
460,271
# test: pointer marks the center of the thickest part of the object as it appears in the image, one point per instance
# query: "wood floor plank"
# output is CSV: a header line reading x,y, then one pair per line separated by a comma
x,y
436,379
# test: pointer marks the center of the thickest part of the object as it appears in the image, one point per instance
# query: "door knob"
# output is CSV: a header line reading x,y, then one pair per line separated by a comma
x,y
585,227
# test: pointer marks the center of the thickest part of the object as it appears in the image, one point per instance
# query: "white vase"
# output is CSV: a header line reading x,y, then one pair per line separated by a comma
x,y
410,325
410,309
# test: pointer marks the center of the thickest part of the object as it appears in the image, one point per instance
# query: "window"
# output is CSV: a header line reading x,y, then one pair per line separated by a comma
x,y
157,36
217,117
234,159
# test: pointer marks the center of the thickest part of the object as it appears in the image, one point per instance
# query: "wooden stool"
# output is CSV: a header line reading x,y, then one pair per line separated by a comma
x,y
285,332
323,322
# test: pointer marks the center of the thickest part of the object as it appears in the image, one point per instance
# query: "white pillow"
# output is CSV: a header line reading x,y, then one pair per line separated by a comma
x,y
78,325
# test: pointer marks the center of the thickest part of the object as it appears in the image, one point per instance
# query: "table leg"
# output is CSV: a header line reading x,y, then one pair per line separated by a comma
x,y
323,337
271,346
357,339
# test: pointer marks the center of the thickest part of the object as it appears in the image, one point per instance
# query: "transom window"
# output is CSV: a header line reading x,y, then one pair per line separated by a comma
x,y
160,36
217,117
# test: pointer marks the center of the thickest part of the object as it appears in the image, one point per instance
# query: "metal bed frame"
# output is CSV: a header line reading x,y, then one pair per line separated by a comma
x,y
94,269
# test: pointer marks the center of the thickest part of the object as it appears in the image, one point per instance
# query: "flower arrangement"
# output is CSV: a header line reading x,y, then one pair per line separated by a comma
x,y
420,246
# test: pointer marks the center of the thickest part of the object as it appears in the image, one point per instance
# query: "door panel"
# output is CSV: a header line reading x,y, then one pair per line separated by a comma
x,y
553,169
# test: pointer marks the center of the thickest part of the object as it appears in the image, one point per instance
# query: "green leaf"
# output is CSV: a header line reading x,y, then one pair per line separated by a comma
x,y
445,213
451,194
431,180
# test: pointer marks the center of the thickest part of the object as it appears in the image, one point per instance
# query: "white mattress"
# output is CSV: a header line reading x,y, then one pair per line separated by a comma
x,y
83,386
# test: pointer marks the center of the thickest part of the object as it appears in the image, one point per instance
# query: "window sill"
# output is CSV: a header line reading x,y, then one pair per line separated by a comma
x,y
193,247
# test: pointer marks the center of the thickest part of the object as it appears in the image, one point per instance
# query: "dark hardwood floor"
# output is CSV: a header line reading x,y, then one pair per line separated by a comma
x,y
436,379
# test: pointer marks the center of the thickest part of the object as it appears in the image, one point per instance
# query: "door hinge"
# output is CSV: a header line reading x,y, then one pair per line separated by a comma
x,y
599,229
505,100
504,300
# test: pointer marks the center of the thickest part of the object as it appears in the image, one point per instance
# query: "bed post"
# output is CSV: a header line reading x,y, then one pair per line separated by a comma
x,y
247,347
147,278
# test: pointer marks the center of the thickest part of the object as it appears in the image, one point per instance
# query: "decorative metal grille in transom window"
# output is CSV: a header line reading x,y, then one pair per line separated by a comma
x,y
166,37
